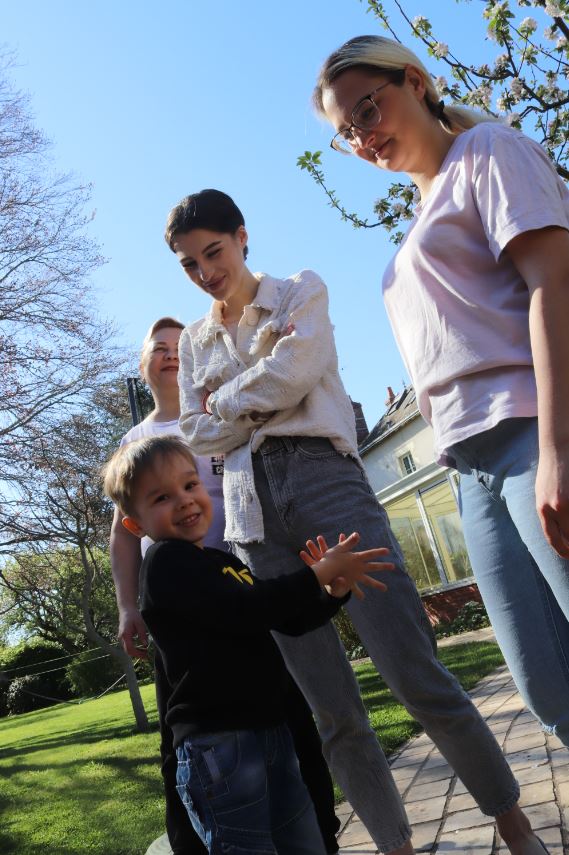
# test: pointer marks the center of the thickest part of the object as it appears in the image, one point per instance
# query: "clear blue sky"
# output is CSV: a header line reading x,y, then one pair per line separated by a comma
x,y
150,101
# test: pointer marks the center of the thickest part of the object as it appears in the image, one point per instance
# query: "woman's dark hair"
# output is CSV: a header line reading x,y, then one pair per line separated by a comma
x,y
208,209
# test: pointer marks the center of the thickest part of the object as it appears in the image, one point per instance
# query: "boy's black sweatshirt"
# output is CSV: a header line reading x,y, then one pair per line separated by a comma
x,y
211,620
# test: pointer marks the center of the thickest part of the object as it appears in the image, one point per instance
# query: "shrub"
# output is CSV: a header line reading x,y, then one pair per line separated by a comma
x,y
349,636
89,674
27,660
29,693
471,616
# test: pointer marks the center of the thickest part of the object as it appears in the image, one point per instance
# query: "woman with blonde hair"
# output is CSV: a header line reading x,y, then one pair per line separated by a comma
x,y
478,299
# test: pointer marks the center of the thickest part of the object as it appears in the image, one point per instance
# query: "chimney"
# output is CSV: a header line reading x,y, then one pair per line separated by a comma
x,y
361,424
390,397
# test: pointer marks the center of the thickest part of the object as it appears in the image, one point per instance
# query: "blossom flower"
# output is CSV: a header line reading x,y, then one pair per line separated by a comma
x,y
440,50
516,88
441,85
528,25
554,10
513,118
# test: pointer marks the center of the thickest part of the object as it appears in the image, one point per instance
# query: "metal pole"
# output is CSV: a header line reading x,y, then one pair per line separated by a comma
x,y
131,385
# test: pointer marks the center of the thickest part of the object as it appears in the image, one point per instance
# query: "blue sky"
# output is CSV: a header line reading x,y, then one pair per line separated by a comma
x,y
150,101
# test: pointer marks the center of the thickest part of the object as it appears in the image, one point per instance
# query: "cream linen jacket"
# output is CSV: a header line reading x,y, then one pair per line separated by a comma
x,y
280,378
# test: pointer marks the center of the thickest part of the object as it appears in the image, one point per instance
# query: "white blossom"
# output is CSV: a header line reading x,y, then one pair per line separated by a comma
x,y
561,42
440,50
554,10
501,62
419,22
502,104
441,85
512,118
516,88
397,209
528,25
552,88
481,97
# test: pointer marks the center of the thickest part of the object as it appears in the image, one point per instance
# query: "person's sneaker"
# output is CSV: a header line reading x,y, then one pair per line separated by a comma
x,y
161,846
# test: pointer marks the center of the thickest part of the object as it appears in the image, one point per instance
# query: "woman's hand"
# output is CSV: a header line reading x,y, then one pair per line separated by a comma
x,y
132,633
552,497
340,570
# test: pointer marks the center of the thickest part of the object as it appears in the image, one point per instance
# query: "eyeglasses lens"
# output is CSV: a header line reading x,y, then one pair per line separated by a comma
x,y
367,115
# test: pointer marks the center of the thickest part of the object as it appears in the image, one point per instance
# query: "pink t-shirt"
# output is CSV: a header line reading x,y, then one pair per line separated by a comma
x,y
210,471
458,306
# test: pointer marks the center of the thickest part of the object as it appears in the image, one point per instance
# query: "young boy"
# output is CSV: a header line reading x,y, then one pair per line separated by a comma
x,y
211,619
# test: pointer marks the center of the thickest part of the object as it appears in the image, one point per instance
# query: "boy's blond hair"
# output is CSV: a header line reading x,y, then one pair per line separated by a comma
x,y
122,471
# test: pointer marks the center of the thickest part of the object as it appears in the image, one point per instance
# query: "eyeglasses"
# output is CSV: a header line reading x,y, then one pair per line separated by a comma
x,y
366,116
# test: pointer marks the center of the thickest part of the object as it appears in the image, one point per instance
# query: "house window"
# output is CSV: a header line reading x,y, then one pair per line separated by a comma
x,y
427,525
409,529
440,506
407,463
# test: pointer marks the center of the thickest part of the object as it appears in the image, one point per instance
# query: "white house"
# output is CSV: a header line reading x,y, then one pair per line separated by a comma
x,y
420,497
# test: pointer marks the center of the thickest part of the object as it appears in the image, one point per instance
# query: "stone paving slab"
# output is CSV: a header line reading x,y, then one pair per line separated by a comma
x,y
444,817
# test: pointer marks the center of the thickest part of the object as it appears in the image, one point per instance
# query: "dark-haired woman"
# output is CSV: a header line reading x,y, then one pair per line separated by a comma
x,y
259,382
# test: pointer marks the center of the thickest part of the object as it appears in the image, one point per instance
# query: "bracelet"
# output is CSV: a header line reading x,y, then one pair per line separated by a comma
x,y
205,407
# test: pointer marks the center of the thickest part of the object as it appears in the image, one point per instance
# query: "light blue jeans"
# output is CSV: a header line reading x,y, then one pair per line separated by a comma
x,y
306,488
244,793
523,581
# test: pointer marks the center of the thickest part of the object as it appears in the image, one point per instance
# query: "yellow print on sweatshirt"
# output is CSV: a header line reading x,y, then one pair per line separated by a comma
x,y
241,575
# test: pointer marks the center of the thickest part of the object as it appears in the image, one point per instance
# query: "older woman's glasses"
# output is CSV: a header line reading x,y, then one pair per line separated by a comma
x,y
366,116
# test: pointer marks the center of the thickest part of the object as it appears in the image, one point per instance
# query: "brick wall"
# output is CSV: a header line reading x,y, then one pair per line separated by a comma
x,y
444,605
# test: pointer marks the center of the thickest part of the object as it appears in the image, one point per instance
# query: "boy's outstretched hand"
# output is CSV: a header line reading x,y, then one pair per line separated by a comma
x,y
340,569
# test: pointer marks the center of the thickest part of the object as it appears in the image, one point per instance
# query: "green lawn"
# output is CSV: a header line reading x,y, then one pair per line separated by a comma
x,y
75,779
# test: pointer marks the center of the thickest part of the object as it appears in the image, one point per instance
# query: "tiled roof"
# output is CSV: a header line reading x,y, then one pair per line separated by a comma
x,y
403,407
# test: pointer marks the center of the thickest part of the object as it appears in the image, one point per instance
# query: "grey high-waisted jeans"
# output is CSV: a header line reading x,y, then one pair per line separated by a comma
x,y
306,488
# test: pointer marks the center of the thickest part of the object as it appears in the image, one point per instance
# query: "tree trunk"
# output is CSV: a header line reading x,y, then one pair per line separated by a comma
x,y
119,654
142,724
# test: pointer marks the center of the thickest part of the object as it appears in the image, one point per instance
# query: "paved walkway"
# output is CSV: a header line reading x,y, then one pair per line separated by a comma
x,y
445,817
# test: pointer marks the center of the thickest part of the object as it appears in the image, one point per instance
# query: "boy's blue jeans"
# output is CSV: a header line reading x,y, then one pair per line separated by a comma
x,y
244,793
523,581
307,488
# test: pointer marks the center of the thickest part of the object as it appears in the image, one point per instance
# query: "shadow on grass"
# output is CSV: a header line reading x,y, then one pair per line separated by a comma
x,y
90,734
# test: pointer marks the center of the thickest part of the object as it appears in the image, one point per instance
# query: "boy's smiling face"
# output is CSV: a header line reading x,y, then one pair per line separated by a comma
x,y
170,502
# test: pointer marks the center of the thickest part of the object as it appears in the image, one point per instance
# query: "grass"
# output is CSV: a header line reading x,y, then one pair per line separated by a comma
x,y
76,779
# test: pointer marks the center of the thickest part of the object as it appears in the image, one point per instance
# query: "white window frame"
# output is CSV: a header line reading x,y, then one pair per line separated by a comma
x,y
401,457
